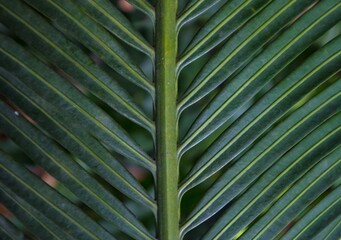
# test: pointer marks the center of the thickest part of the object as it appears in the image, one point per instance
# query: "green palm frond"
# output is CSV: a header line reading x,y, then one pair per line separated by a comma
x,y
170,120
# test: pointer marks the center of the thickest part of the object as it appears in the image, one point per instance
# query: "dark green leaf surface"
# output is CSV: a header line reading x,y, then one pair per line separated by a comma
x,y
317,69
266,153
193,9
39,196
75,23
145,7
43,37
61,94
335,231
60,165
114,21
277,179
294,201
317,218
241,47
170,119
73,138
34,220
262,69
8,231
332,231
225,22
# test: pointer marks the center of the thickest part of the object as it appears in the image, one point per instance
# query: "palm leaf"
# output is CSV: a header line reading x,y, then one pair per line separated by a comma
x,y
65,54
8,230
250,149
114,21
73,139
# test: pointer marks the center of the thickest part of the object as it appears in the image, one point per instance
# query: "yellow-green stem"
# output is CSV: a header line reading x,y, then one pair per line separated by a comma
x,y
166,120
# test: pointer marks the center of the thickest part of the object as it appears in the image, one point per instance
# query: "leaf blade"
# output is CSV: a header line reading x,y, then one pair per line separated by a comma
x,y
61,211
193,9
246,43
77,24
317,69
262,69
297,198
219,27
145,7
73,138
58,163
318,217
266,153
114,21
43,37
8,231
38,224
55,90
274,182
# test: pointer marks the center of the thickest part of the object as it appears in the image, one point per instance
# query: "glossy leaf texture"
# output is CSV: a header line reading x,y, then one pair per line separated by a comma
x,y
269,127
52,86
98,102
